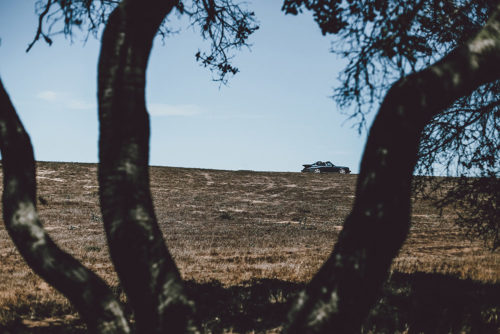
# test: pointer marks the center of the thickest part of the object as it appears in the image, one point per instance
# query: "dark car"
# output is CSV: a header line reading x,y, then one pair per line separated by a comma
x,y
325,167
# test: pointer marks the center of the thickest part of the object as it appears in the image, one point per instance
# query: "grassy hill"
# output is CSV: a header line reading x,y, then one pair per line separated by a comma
x,y
249,241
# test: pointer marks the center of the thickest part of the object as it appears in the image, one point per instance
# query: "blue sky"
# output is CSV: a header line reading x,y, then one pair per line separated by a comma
x,y
275,115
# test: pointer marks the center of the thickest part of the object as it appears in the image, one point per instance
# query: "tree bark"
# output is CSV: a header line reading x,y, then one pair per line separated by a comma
x,y
86,291
144,265
341,294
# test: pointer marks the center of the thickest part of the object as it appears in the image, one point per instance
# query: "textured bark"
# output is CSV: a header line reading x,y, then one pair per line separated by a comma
x,y
146,270
341,294
87,292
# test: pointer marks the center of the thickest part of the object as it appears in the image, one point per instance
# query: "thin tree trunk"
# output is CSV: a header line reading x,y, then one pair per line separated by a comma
x,y
144,265
341,294
86,291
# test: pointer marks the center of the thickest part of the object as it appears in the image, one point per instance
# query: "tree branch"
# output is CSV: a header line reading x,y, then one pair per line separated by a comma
x,y
86,291
341,294
144,265
39,30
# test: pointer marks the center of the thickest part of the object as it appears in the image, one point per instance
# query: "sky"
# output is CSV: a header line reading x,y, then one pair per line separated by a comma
x,y
274,115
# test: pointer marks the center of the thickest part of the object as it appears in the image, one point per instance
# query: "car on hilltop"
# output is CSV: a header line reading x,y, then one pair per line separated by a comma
x,y
324,167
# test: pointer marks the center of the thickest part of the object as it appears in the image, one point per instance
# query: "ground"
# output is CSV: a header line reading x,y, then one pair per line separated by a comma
x,y
249,241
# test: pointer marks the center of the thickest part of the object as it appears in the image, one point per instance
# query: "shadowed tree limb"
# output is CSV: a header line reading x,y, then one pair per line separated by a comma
x,y
341,294
40,29
144,265
86,291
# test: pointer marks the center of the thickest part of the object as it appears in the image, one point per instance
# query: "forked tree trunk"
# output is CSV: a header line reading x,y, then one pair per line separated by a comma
x,y
144,265
87,292
341,294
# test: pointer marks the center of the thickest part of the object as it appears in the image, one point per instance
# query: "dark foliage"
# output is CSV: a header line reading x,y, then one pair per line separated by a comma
x,y
387,40
475,201
226,24
464,141
63,16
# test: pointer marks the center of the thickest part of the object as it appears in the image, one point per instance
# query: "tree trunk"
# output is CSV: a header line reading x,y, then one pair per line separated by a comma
x,y
146,270
341,294
86,291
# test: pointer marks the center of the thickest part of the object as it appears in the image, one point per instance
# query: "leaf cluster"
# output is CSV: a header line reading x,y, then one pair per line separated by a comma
x,y
474,200
464,140
478,210
383,41
63,16
226,24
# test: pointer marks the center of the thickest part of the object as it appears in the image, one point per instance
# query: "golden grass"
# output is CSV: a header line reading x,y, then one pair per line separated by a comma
x,y
227,227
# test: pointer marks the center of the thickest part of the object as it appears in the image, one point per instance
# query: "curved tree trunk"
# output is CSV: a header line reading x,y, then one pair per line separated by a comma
x,y
341,294
146,270
86,291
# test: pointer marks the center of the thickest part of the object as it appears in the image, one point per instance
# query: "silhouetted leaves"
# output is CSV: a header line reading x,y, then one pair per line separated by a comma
x,y
329,15
386,40
226,24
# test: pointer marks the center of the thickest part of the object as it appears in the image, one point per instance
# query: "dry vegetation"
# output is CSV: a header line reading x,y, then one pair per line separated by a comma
x,y
246,242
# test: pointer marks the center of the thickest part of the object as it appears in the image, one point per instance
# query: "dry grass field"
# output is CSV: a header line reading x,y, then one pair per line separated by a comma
x,y
246,242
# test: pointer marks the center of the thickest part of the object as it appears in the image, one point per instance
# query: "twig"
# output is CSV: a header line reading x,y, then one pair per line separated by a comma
x,y
40,23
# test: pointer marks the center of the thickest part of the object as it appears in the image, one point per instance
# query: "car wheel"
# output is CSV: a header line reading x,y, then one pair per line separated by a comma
x,y
342,171
316,170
